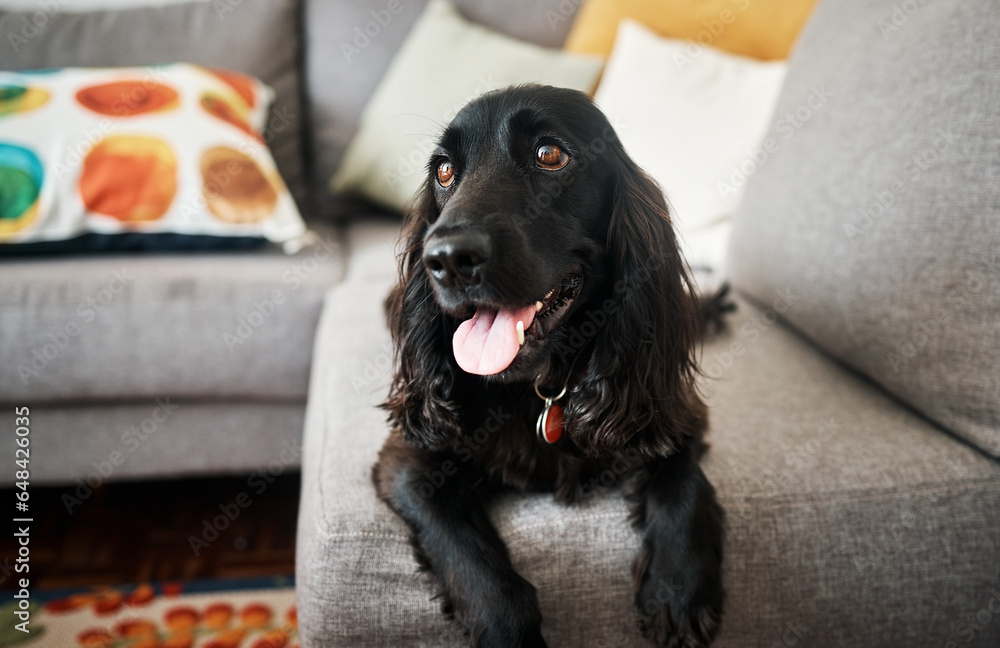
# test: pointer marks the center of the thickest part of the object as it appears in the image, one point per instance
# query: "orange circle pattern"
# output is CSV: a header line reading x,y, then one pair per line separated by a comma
x,y
128,98
245,86
218,107
129,177
236,189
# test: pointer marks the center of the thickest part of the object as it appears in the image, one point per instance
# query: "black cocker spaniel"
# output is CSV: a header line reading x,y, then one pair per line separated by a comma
x,y
545,328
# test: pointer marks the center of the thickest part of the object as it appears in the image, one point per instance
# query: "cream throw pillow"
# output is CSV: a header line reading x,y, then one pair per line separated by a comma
x,y
444,62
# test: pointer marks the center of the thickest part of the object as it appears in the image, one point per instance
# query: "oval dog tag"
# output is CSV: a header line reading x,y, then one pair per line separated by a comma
x,y
550,422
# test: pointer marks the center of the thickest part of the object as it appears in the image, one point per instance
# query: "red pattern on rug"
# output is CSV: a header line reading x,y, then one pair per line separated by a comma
x,y
166,617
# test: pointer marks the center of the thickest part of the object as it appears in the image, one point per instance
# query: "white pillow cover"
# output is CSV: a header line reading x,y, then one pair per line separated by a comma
x,y
695,121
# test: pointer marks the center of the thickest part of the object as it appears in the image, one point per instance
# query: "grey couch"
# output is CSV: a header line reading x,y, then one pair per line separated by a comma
x,y
854,401
862,493
148,386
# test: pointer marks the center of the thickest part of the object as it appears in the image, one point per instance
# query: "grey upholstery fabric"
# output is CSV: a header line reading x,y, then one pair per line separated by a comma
x,y
350,45
123,327
371,247
88,445
880,208
257,37
851,519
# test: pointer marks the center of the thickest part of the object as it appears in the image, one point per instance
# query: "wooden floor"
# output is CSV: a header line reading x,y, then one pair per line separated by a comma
x,y
152,531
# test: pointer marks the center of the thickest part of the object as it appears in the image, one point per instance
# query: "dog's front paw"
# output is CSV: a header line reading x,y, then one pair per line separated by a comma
x,y
509,618
680,602
515,639
510,633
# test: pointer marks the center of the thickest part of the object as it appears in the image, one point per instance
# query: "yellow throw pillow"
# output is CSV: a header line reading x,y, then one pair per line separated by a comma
x,y
763,29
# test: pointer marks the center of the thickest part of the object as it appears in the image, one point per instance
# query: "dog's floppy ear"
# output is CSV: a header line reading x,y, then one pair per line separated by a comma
x,y
421,400
639,391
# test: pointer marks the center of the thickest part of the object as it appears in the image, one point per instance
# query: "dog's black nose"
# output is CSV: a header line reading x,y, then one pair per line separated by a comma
x,y
456,259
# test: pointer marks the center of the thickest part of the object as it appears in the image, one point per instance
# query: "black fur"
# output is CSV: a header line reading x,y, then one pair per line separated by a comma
x,y
503,233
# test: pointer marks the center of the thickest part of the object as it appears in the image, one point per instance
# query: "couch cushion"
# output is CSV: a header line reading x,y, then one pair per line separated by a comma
x,y
880,203
88,445
851,520
256,37
350,44
201,326
371,246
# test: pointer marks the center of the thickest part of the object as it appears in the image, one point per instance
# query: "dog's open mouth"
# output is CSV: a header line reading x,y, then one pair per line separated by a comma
x,y
487,343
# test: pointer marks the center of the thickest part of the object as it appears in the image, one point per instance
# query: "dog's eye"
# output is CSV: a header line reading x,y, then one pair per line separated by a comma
x,y
445,174
551,157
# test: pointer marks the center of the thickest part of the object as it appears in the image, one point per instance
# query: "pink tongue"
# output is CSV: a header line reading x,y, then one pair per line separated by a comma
x,y
487,343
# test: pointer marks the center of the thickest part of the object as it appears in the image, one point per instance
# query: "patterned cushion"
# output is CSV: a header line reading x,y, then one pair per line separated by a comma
x,y
255,37
175,149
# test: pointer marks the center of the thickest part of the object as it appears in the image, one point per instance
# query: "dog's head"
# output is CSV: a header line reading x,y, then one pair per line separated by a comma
x,y
539,252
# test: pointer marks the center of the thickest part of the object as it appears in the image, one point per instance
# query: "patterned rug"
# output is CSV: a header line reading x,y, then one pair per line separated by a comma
x,y
248,613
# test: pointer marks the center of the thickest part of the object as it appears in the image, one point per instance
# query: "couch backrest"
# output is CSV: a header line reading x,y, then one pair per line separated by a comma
x,y
873,217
